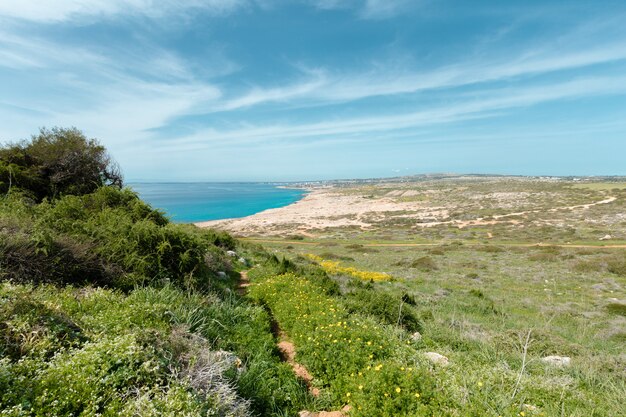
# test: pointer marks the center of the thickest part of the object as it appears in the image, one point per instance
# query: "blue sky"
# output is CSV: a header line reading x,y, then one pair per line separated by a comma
x,y
320,89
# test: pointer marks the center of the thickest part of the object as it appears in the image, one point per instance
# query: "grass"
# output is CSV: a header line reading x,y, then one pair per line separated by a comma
x,y
108,309
478,305
596,186
483,335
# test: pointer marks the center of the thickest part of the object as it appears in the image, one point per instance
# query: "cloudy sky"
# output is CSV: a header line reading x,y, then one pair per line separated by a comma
x,y
320,89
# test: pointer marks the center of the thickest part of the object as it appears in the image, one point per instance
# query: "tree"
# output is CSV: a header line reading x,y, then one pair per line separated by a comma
x,y
57,162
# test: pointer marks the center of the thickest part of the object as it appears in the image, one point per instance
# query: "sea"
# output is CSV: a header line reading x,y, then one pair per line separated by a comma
x,y
202,201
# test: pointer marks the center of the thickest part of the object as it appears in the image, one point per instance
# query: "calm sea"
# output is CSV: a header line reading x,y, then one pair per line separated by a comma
x,y
193,202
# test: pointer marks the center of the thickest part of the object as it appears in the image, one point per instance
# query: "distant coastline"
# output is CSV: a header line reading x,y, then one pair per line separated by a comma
x,y
199,202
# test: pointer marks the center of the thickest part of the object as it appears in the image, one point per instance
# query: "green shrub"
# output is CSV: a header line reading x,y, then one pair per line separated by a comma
x,y
334,257
111,238
490,249
425,263
616,308
385,307
617,266
57,162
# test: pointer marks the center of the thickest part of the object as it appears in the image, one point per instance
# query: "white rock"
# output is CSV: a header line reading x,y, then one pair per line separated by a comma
x,y
416,337
606,237
243,261
231,253
557,360
530,407
437,358
222,274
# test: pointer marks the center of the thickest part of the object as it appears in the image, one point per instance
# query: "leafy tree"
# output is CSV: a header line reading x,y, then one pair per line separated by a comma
x,y
56,162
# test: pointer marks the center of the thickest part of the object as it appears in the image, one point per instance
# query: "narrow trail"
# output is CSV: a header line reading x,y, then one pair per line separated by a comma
x,y
288,354
244,283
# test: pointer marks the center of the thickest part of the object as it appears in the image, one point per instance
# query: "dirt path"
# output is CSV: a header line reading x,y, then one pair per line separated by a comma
x,y
286,348
244,283
288,354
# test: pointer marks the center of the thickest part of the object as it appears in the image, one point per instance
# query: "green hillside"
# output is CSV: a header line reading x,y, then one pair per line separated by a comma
x,y
107,308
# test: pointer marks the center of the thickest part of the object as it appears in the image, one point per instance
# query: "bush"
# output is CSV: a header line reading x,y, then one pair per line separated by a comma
x,y
107,238
385,307
425,264
57,162
617,266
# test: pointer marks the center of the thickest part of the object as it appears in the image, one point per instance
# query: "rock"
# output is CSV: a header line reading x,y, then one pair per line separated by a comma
x,y
442,292
231,253
344,411
230,359
416,337
243,261
557,360
222,275
606,237
437,358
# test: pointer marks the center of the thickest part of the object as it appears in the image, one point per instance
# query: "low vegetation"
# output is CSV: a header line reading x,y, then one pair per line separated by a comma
x,y
107,308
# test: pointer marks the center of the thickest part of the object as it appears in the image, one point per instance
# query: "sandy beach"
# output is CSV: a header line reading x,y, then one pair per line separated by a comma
x,y
326,208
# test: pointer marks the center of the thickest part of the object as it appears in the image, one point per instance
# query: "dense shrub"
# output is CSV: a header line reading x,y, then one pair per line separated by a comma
x,y
424,263
109,237
385,306
57,162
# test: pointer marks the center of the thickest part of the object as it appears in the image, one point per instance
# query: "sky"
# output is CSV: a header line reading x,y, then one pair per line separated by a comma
x,y
278,90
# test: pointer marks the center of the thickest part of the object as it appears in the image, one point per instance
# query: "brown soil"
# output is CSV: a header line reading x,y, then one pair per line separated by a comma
x,y
244,283
288,353
344,411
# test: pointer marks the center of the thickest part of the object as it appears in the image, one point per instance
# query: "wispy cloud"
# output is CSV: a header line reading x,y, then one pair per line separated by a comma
x,y
490,104
118,95
383,9
322,86
64,10
367,9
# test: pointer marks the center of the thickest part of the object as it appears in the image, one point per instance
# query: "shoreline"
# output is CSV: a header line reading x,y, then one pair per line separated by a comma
x,y
210,223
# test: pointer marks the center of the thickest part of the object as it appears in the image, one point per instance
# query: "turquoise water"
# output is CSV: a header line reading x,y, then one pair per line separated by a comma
x,y
193,202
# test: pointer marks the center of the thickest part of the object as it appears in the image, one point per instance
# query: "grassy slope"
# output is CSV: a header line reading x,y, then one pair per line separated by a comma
x,y
110,309
107,309
478,292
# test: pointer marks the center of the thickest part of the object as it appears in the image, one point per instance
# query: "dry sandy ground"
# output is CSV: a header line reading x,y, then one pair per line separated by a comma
x,y
326,208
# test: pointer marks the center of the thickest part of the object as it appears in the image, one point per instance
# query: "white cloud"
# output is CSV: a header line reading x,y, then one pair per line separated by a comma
x,y
382,9
367,9
321,86
63,10
492,102
117,96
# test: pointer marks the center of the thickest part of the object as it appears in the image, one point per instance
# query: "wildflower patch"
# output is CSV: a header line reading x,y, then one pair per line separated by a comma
x,y
358,361
334,267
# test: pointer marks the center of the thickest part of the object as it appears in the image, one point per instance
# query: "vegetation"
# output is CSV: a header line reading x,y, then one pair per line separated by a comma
x,y
107,308
57,162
